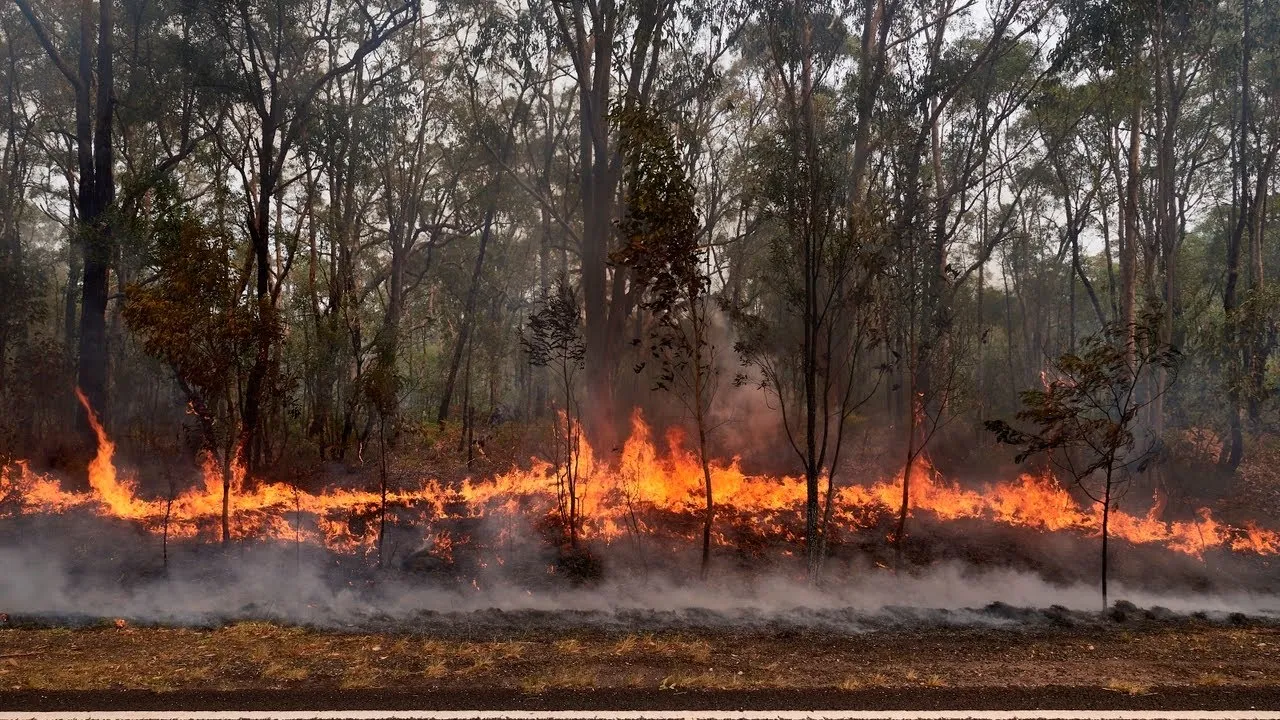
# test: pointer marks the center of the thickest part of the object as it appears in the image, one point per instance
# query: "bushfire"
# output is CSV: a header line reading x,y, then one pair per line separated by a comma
x,y
645,485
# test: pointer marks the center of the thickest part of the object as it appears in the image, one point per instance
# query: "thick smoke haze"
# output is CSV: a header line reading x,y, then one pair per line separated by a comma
x,y
48,580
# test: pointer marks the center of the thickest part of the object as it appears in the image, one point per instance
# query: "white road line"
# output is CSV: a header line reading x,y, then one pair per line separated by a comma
x,y
656,715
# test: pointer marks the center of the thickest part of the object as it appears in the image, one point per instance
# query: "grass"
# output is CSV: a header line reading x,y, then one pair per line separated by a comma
x,y
285,672
852,683
435,670
706,680
359,677
560,678
626,645
677,647
936,681
261,655
1129,687
568,647
1212,679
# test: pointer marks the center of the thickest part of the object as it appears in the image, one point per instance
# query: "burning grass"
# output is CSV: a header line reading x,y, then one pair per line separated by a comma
x,y
265,656
650,495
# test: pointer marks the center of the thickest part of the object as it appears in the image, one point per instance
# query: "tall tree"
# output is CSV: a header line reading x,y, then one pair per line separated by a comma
x,y
280,57
92,81
660,226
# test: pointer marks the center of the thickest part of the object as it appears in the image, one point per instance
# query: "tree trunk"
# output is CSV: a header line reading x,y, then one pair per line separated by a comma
x,y
382,486
468,320
70,302
95,191
226,498
701,391
1106,518
1233,450
709,517
1129,248
812,323
260,235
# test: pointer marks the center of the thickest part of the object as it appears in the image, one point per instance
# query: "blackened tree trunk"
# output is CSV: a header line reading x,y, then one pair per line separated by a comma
x,y
95,190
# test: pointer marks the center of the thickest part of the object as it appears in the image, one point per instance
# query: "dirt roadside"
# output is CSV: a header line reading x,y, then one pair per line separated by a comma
x,y
264,657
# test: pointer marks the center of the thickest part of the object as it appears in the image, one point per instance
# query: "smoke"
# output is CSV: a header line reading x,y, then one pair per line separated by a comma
x,y
51,576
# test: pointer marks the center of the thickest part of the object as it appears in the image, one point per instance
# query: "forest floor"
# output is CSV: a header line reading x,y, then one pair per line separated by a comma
x,y
1120,658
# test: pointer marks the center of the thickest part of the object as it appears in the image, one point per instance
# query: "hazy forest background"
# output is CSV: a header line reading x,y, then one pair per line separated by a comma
x,y
314,236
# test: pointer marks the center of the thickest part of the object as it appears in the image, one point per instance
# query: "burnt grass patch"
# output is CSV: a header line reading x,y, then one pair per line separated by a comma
x,y
1129,655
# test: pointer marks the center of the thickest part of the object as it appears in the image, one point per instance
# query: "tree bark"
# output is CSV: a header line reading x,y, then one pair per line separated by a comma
x,y
95,191
1129,245
468,318
1233,450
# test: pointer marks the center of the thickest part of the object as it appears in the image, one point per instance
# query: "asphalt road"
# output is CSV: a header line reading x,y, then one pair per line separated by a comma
x,y
653,715
1261,703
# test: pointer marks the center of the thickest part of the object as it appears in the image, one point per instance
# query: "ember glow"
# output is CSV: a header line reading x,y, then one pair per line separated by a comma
x,y
650,482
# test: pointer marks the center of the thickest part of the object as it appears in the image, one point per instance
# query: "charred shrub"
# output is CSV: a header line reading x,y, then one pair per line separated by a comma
x,y
1123,611
579,566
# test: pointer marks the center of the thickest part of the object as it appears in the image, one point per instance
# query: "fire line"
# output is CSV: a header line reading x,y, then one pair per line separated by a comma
x,y
666,480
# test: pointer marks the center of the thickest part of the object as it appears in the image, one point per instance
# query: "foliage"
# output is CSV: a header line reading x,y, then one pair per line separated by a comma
x,y
660,230
553,338
192,315
553,334
1088,417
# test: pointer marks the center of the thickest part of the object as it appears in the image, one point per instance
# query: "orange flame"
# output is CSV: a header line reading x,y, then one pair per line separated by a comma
x,y
626,497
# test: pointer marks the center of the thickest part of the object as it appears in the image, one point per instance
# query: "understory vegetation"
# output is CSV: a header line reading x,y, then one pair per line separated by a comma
x,y
341,243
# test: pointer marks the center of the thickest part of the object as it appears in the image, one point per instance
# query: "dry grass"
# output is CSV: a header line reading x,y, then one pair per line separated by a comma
x,y
261,655
435,670
359,677
285,672
936,681
852,683
508,650
705,680
1212,679
570,646
697,651
1129,687
560,678
626,645
433,648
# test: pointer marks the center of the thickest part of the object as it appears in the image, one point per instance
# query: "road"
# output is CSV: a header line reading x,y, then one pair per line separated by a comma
x,y
903,704
654,715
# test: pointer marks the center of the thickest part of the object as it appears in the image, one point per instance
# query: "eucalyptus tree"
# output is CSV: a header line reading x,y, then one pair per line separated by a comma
x,y
1254,54
1113,40
1087,419
552,337
661,229
274,60
969,89
627,55
422,191
806,340
1060,117
92,81
21,275
493,129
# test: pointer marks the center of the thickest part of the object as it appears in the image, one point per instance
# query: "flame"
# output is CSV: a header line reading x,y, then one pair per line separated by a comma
x,y
638,493
116,495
